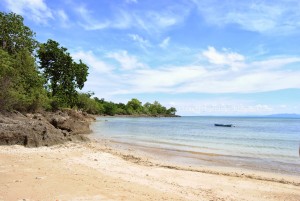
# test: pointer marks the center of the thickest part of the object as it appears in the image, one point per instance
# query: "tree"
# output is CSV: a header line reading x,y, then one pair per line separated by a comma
x,y
110,108
88,104
21,84
14,35
6,75
134,106
146,108
29,84
121,109
171,111
63,75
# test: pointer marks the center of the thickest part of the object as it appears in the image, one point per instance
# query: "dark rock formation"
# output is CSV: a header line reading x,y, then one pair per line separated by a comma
x,y
43,129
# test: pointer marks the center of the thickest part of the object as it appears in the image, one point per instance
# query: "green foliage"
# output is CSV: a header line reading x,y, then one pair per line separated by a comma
x,y
24,88
28,91
21,86
20,83
14,35
134,106
6,80
81,73
89,105
110,108
63,75
171,111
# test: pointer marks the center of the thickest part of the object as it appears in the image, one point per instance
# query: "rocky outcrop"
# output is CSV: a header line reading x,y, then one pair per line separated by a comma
x,y
71,121
43,129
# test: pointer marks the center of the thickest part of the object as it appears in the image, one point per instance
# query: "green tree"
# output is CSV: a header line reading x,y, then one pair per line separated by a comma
x,y
89,105
63,75
146,108
29,84
121,109
134,106
14,35
110,108
21,85
101,103
171,111
6,82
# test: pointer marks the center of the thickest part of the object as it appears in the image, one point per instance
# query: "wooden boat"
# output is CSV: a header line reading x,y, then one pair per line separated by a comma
x,y
224,125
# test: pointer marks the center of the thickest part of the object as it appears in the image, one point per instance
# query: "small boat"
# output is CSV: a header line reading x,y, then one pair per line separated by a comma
x,y
224,125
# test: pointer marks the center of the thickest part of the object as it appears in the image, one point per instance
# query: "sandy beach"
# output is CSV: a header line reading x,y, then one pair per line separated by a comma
x,y
99,171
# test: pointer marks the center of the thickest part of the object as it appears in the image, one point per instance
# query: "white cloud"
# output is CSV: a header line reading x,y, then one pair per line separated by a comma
x,y
122,20
92,61
221,106
271,17
63,17
136,77
147,20
163,79
126,61
255,76
232,59
131,1
36,10
165,43
143,43
248,83
89,22
274,63
163,19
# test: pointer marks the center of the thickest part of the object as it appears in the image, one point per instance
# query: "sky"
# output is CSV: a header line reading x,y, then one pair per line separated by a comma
x,y
204,57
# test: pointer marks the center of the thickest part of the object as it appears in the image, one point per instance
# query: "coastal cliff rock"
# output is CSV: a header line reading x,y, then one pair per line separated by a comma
x,y
43,129
71,121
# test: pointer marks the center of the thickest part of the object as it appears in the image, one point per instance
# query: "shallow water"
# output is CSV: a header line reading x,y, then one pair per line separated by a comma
x,y
270,144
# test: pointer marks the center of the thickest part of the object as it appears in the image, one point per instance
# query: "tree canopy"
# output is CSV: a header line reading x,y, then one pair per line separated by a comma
x,y
63,75
20,82
52,81
133,107
14,35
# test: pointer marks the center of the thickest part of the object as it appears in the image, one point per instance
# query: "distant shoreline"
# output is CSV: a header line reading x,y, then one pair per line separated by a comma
x,y
141,115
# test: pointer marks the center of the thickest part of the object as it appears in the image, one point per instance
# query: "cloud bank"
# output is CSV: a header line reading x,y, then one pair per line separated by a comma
x,y
222,71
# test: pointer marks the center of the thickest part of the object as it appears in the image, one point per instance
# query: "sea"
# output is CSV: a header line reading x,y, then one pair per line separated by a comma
x,y
261,143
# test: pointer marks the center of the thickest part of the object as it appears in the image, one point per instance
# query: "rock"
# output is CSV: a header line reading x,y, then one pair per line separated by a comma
x,y
45,129
71,121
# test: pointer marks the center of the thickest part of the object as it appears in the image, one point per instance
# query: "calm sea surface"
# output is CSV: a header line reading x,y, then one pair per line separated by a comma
x,y
265,143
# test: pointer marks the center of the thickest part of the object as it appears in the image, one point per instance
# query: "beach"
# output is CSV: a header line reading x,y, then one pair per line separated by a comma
x,y
105,170
136,100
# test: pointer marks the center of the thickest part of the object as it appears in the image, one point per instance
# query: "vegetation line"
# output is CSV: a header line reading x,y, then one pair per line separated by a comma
x,y
43,76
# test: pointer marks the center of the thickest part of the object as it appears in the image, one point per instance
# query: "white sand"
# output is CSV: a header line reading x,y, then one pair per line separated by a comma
x,y
93,171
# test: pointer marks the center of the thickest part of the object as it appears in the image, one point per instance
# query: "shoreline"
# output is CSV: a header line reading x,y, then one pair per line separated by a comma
x,y
155,157
103,169
186,158
98,170
176,147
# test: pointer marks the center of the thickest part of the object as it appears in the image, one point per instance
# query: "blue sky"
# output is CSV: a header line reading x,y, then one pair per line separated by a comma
x,y
205,57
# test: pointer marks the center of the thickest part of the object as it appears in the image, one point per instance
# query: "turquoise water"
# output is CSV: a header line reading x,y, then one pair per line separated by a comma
x,y
267,143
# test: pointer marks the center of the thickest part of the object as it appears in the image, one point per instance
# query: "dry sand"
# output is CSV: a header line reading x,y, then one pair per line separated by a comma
x,y
95,171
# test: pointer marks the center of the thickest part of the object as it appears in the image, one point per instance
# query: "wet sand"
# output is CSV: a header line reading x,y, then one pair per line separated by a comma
x,y
105,170
207,160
